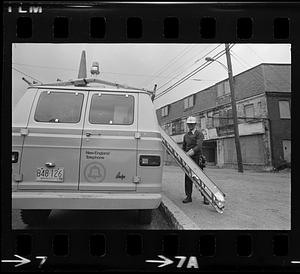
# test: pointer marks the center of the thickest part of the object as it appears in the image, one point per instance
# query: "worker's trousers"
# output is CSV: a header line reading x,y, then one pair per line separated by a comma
x,y
188,185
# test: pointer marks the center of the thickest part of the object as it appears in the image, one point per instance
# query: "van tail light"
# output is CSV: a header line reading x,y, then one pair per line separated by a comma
x,y
15,156
149,160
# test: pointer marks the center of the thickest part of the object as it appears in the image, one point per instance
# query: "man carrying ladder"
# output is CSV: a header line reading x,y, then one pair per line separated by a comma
x,y
192,145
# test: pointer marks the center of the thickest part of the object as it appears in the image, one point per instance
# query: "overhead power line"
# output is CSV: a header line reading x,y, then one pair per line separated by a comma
x,y
237,60
183,67
186,69
256,75
173,60
45,67
26,75
102,72
278,74
201,67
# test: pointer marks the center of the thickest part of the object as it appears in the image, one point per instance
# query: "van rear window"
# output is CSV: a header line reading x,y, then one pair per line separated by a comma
x,y
59,107
111,109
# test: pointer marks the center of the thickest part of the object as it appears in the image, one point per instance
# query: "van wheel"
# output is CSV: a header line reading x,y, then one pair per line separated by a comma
x,y
35,217
145,216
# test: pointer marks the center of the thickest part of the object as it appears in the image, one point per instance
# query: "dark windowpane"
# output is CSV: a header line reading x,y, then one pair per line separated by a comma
x,y
284,109
111,109
59,107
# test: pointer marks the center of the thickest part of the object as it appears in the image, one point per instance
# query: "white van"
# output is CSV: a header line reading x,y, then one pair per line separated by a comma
x,y
87,148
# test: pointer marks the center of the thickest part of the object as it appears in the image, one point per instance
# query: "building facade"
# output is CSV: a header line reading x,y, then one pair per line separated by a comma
x,y
263,99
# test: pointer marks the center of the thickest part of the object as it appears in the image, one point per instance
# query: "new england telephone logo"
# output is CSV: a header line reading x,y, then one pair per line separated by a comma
x,y
94,172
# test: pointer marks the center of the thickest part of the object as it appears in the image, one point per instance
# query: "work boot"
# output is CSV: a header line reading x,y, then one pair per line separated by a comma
x,y
205,201
187,200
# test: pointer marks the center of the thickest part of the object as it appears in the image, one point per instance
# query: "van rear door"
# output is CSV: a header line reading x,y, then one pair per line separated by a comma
x,y
51,149
109,147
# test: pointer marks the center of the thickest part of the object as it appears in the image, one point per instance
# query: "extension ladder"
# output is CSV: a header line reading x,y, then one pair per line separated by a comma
x,y
202,182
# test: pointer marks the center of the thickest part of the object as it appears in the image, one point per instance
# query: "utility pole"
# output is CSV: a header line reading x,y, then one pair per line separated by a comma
x,y
234,113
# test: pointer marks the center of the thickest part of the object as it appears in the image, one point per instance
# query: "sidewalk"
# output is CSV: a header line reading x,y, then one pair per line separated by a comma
x,y
254,200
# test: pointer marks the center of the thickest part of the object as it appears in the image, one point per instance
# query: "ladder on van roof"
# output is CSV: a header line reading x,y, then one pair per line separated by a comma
x,y
202,182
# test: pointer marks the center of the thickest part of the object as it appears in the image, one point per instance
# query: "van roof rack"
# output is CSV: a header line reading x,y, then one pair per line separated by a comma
x,y
82,82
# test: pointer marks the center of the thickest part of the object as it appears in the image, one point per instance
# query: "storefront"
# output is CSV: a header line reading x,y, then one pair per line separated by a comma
x,y
209,151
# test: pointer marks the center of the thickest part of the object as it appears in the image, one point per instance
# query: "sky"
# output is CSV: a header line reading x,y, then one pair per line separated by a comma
x,y
140,65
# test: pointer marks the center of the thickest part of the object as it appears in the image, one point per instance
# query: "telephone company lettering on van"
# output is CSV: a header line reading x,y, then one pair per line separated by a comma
x,y
82,148
92,155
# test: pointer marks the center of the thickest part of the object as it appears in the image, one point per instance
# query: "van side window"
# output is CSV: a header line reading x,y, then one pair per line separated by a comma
x,y
59,107
111,109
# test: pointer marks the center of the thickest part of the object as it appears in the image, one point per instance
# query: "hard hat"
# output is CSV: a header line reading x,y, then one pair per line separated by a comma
x,y
191,120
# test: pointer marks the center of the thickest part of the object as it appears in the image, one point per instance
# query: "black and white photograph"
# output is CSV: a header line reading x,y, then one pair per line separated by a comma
x,y
155,136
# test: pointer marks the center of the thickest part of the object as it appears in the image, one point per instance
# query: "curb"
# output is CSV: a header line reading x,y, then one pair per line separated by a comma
x,y
176,216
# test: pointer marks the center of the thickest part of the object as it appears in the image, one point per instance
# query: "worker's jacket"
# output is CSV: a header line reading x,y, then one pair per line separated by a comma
x,y
193,141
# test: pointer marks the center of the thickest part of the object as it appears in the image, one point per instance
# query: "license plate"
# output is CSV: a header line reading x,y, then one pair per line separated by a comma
x,y
50,174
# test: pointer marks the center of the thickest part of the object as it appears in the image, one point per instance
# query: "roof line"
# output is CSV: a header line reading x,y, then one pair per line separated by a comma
x,y
216,108
261,64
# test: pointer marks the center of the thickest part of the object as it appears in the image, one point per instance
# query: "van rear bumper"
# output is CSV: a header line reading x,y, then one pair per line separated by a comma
x,y
80,200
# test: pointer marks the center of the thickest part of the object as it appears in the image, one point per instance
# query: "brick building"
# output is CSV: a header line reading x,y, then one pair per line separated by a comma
x,y
263,99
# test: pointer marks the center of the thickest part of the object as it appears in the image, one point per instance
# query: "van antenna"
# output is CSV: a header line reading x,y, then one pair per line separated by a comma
x,y
24,79
153,93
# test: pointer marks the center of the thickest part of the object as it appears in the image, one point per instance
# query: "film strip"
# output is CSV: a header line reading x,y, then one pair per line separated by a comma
x,y
173,248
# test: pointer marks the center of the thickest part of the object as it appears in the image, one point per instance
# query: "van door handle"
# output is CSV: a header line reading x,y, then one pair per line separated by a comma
x,y
88,134
48,164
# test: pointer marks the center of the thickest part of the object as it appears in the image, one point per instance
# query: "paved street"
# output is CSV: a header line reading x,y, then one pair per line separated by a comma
x,y
254,200
94,219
